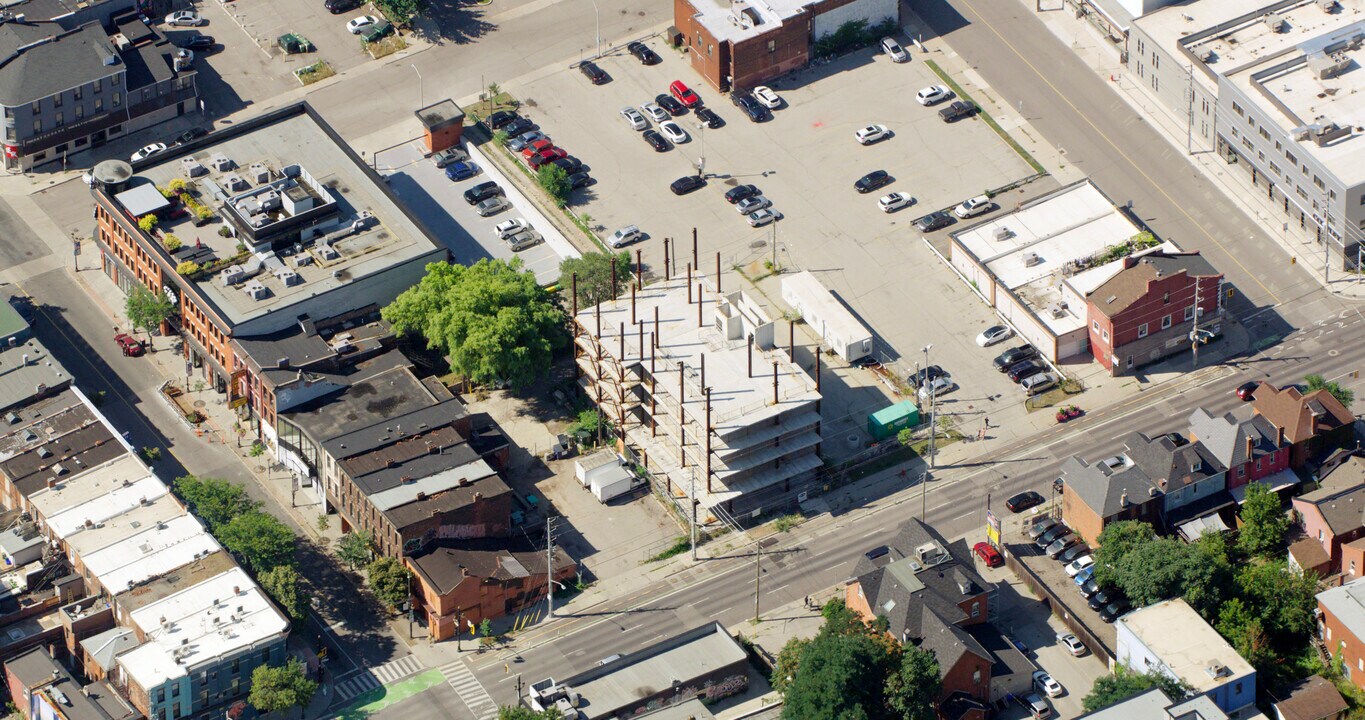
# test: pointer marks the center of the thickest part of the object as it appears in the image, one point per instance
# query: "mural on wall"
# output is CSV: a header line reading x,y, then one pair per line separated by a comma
x,y
711,691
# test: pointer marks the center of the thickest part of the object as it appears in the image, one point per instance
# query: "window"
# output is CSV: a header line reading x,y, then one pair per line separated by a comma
x,y
1274,168
60,148
116,80
99,105
1353,567
1235,133
1205,106
1156,83
1165,322
60,120
1258,465
1261,155
37,106
37,126
79,92
976,609
1277,146
1156,61
1290,157
1238,109
57,100
99,83
1246,143
976,676
1095,324
1320,538
1264,133
772,46
1241,471
1189,313
118,99
1142,330
1105,334
1298,189
80,112
1166,299
1318,181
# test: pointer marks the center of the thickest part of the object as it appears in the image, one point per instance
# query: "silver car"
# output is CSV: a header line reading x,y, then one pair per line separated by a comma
x,y
519,143
451,155
624,236
522,240
894,50
753,204
492,206
763,217
636,120
1038,382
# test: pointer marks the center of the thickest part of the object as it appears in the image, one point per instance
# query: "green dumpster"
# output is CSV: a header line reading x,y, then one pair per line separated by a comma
x,y
293,43
890,420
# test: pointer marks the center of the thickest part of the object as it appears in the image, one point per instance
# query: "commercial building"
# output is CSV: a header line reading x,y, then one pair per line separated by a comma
x,y
462,582
1272,85
1170,638
1341,627
694,382
737,45
836,325
275,219
65,89
27,371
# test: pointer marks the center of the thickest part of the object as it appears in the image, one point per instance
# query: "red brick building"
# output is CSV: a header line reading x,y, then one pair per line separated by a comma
x,y
1147,310
472,582
1341,614
1315,423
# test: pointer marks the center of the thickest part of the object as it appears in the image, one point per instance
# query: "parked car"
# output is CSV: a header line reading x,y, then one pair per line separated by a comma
x,y
508,228
361,24
767,98
674,132
524,239
594,74
184,18
1026,500
197,43
871,134
895,201
148,151
1038,382
625,236
130,345
933,95
1073,552
894,50
1043,683
1060,544
1080,564
735,194
634,118
709,117
1050,536
481,192
1247,391
956,111
643,53
686,184
1074,646
569,164
653,110
919,377
972,207
500,118
449,156
579,179
656,140
190,135
934,388
1111,612
872,181
1037,707
935,220
1088,588
1021,370
462,171
1005,360
988,554
518,126
1102,598
336,7
536,146
492,206
684,94
766,216
519,143
752,204
751,107
994,334
545,157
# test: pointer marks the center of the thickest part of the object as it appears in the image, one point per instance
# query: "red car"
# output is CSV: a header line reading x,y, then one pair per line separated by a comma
x,y
537,146
988,554
1247,391
684,94
130,345
545,157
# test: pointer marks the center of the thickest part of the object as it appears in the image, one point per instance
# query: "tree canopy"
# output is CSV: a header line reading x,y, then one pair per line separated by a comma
x,y
260,540
214,500
594,276
354,549
280,687
1264,523
555,182
285,586
390,580
400,11
517,712
146,309
1124,683
1318,382
1116,540
492,320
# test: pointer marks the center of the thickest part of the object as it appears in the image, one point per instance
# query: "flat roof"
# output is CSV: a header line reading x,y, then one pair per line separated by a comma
x,y
745,19
1347,604
289,146
211,620
25,367
829,310
206,567
1181,639
151,552
113,529
88,494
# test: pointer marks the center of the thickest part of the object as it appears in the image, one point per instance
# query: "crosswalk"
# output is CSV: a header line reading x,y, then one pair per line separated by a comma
x,y
370,678
470,690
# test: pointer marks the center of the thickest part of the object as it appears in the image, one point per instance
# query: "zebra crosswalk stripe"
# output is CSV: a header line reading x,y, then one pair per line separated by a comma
x,y
370,678
470,690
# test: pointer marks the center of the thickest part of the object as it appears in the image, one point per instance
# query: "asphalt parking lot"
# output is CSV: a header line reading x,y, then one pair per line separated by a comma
x,y
255,25
805,160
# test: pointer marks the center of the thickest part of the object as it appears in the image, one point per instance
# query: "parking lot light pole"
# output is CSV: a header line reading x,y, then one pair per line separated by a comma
x,y
421,96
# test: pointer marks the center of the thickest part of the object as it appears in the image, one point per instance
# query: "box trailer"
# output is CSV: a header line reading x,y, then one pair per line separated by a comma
x,y
839,329
892,419
588,466
605,474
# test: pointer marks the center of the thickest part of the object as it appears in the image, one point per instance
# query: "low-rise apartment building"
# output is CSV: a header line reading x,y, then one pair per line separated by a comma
x,y
1170,638
1341,627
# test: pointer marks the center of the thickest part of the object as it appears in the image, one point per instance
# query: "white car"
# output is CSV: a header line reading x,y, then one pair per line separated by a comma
x,y
149,151
508,228
636,120
361,24
933,94
940,385
653,110
763,217
871,134
184,18
673,132
973,206
751,205
624,236
894,50
1043,683
766,97
993,335
1069,641
1079,564
895,201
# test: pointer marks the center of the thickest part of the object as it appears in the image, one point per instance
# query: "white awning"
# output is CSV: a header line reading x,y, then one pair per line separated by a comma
x,y
1196,528
1278,481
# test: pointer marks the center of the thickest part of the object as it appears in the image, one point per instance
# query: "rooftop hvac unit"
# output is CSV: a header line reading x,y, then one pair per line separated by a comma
x,y
1031,259
256,290
260,174
302,259
288,277
1002,233
269,200
1058,312
121,42
1273,21
328,252
232,275
260,220
192,168
1327,5
221,162
235,183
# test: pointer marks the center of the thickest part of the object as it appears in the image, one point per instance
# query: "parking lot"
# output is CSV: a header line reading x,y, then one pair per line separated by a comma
x,y
805,160
263,22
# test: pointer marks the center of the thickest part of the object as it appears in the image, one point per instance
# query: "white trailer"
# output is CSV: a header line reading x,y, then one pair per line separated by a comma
x,y
839,329
605,474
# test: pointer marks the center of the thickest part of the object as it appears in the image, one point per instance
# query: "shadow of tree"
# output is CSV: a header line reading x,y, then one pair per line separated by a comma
x,y
455,22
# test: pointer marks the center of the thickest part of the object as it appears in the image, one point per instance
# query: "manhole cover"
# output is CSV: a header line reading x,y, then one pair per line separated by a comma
x,y
199,403
1333,353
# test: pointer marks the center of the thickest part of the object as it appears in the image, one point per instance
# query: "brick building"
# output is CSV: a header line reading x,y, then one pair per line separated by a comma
x,y
1333,515
1253,450
1341,627
1315,423
469,582
1147,310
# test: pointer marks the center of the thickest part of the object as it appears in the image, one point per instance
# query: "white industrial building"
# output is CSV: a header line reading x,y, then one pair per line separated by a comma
x,y
823,313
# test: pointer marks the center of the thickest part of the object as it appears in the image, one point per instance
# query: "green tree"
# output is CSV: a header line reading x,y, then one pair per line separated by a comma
x,y
517,712
260,540
594,276
1207,574
214,500
555,182
1153,571
913,687
1241,627
285,586
788,663
1125,683
280,687
1318,382
354,548
400,11
1284,601
492,320
1116,540
1264,523
146,309
839,679
390,580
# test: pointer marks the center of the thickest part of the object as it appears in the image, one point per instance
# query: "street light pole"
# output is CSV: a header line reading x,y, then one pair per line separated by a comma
x,y
933,405
597,17
421,96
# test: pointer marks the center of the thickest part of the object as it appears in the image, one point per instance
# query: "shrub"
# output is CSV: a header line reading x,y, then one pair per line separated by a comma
x,y
147,223
188,267
176,186
224,231
172,243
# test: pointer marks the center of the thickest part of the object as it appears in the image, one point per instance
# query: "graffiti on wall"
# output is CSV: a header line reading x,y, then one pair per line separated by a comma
x,y
710,691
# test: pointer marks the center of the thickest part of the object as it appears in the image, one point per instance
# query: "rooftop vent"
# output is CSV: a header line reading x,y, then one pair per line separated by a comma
x,y
1273,21
221,162
1123,499
1218,670
1002,233
1031,259
232,275
44,452
12,418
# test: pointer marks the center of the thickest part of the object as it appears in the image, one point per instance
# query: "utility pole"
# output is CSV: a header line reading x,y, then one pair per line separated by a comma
x,y
692,498
1194,334
550,565
933,406
923,497
758,576
1189,117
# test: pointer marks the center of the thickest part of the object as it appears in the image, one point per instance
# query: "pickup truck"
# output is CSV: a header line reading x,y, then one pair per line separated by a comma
x,y
959,109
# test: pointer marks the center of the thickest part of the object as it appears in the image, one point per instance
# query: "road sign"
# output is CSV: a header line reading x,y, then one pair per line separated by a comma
x,y
992,528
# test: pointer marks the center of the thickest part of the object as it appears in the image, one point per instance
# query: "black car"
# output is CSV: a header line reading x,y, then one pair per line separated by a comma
x,y
569,164
686,184
1102,598
655,140
593,73
197,43
667,102
709,117
190,134
481,192
1024,500
642,53
578,180
924,375
500,118
1048,537
734,195
751,107
1072,553
872,181
1089,588
518,126
1014,355
336,7
958,110
935,220
1111,612
1021,370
